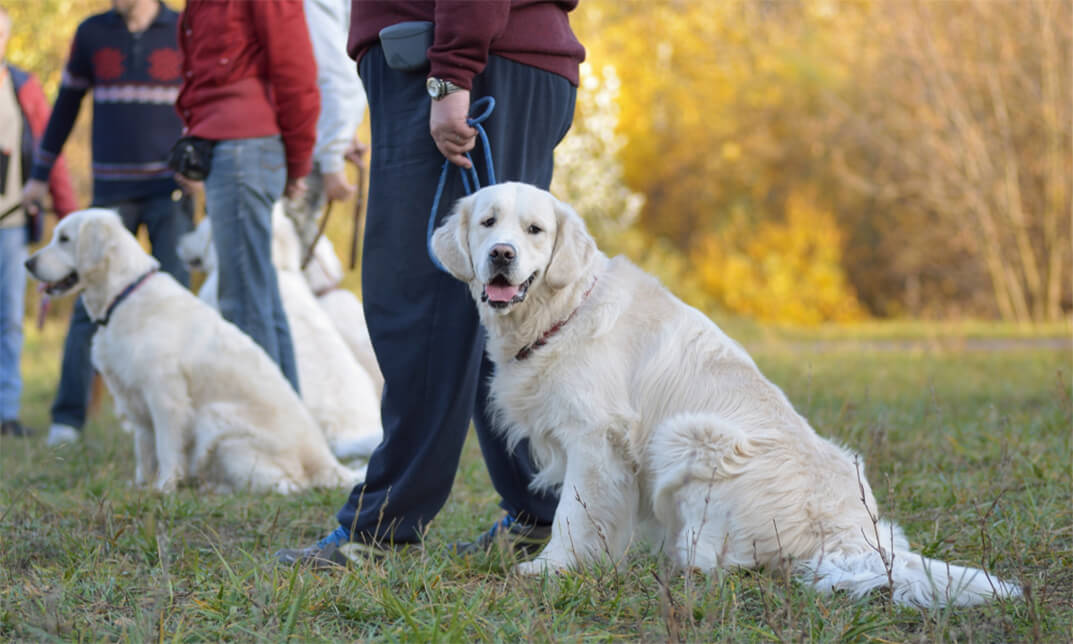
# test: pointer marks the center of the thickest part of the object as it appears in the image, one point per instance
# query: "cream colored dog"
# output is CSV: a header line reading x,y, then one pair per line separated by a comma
x,y
204,402
342,396
653,423
324,273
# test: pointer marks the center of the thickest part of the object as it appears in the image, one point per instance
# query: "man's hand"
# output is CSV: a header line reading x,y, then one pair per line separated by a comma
x,y
447,124
355,152
189,186
295,188
33,194
337,187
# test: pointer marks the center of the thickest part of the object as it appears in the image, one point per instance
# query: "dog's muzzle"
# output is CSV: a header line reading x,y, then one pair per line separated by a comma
x,y
66,283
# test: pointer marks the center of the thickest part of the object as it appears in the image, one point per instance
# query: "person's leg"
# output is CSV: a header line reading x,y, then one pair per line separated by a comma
x,y
534,110
247,177
166,221
422,322
12,292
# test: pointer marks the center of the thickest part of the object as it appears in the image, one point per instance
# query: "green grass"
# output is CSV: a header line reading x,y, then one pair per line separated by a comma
x,y
968,450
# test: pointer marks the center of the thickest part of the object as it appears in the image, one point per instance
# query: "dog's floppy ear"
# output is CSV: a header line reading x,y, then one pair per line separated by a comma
x,y
94,243
450,242
574,248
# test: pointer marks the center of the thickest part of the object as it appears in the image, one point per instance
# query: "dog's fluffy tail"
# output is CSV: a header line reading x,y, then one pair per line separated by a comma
x,y
917,580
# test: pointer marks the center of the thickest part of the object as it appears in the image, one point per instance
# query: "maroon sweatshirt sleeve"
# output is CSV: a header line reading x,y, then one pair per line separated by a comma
x,y
281,28
465,30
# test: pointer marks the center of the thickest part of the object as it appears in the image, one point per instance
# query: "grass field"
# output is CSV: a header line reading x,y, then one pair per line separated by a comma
x,y
967,447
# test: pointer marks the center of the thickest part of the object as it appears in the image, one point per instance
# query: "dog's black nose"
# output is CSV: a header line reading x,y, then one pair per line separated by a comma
x,y
30,263
502,254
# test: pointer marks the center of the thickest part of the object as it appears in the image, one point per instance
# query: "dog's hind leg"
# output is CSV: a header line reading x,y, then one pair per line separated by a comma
x,y
692,456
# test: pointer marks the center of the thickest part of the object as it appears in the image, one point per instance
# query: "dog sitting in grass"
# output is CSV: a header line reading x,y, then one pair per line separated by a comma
x,y
653,424
205,403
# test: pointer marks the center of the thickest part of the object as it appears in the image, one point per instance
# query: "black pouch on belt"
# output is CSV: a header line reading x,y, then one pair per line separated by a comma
x,y
406,45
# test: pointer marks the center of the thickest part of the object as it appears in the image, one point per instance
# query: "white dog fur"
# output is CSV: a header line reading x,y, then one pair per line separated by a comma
x,y
324,273
204,402
338,391
652,423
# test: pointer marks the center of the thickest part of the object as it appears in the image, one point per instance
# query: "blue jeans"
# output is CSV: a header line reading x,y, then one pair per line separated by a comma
x,y
247,177
423,323
12,294
165,220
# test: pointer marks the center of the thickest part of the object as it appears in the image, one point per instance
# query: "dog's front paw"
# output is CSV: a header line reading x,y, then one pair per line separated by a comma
x,y
167,484
539,566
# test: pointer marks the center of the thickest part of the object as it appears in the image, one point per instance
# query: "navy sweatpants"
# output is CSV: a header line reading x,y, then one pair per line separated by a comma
x,y
423,322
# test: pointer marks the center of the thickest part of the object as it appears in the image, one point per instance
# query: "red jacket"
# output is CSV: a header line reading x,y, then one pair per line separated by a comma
x,y
35,111
532,32
249,71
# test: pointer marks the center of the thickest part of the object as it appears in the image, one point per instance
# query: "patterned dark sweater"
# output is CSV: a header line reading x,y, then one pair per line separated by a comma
x,y
135,79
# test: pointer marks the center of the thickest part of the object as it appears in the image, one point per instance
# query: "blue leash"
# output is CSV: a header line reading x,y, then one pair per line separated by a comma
x,y
470,180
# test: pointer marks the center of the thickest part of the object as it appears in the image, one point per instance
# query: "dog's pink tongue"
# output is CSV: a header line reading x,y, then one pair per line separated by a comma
x,y
500,293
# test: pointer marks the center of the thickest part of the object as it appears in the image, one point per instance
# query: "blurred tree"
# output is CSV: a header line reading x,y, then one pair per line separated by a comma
x,y
961,142
41,36
935,135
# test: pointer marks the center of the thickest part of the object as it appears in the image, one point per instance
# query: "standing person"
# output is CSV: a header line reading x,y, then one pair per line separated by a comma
x,y
423,323
129,58
23,116
254,95
342,108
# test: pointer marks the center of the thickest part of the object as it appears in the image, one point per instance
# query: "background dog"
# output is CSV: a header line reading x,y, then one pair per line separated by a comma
x,y
203,401
337,389
653,423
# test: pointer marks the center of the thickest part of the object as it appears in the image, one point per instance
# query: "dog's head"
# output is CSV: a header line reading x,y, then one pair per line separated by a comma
x,y
80,251
510,238
196,249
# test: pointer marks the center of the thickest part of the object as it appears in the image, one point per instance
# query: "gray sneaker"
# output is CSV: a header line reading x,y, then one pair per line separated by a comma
x,y
523,540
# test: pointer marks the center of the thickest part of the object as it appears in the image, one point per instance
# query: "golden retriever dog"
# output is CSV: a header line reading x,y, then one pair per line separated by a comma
x,y
343,398
205,403
324,273
653,424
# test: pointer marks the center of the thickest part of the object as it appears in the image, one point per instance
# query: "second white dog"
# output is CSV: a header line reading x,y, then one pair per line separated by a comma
x,y
335,387
204,402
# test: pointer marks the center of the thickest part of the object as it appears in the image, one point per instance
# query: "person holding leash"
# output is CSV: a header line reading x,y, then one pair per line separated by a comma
x,y
421,78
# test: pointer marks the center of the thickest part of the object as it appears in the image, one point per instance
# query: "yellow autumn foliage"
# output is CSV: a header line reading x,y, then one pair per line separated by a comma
x,y
785,271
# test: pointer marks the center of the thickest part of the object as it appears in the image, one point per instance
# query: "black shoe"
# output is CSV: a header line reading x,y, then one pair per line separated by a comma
x,y
336,551
12,427
523,540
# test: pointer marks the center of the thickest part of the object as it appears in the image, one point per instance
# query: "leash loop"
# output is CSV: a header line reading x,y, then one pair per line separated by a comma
x,y
470,179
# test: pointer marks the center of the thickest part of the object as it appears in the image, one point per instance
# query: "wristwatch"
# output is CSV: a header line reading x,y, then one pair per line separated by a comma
x,y
438,87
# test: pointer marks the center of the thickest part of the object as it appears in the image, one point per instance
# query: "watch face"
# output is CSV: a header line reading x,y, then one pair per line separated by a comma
x,y
434,87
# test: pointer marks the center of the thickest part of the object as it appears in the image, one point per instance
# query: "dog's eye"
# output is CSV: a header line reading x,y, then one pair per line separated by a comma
x,y
535,230
64,238
488,223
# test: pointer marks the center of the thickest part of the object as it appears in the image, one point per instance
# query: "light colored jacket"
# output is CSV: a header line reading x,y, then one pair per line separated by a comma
x,y
342,96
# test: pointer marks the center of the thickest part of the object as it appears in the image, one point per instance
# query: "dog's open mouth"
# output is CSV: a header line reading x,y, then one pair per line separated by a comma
x,y
500,292
62,285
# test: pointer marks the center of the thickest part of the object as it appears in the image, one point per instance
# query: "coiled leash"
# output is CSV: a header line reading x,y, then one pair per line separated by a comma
x,y
470,181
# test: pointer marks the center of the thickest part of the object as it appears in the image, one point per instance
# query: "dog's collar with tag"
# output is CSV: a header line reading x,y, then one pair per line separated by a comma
x,y
524,352
123,295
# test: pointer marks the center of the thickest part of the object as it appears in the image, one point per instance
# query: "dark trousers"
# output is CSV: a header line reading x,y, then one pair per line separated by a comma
x,y
423,322
165,221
